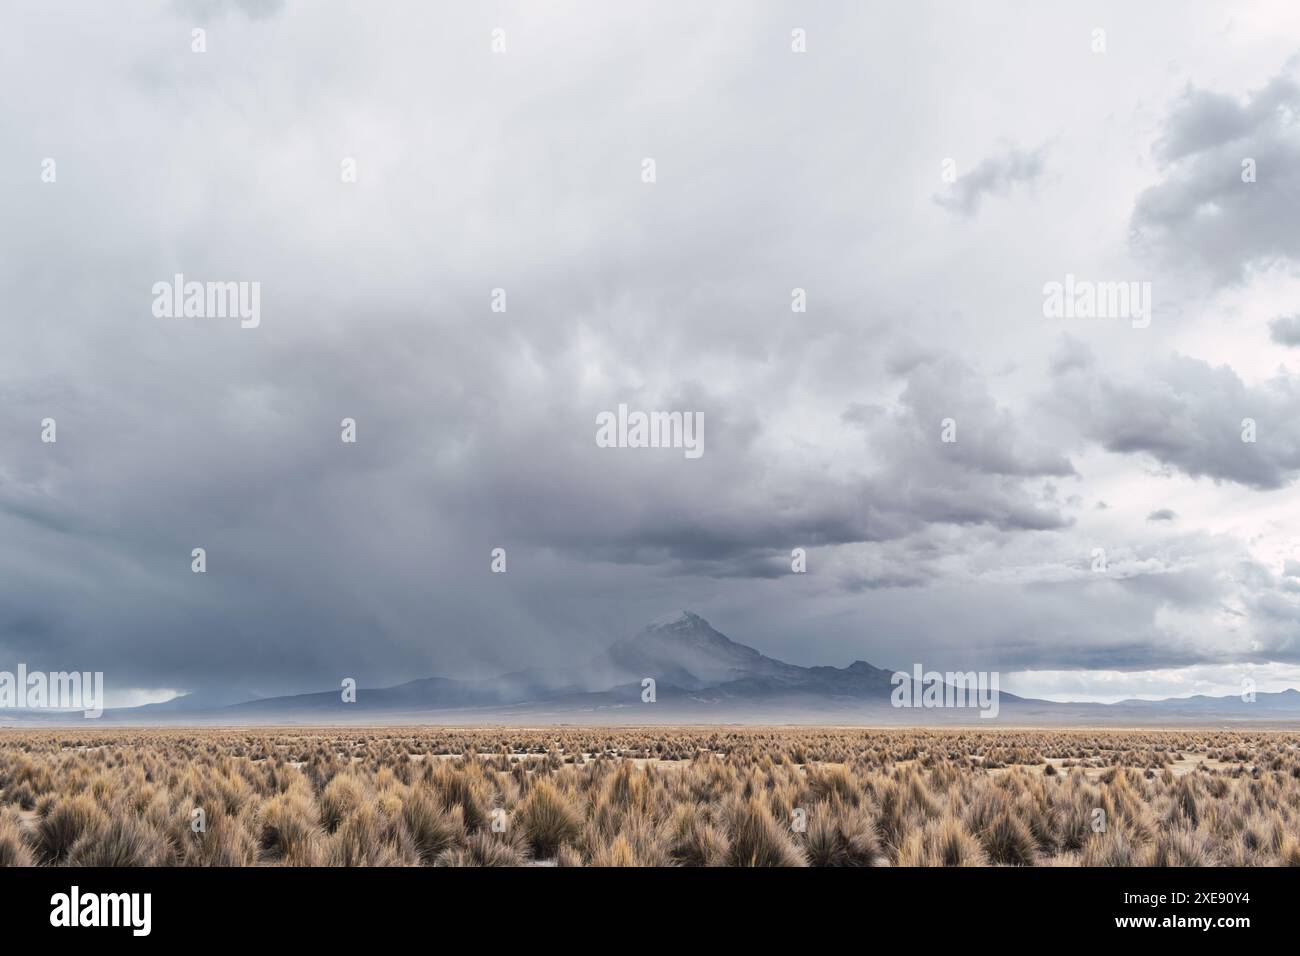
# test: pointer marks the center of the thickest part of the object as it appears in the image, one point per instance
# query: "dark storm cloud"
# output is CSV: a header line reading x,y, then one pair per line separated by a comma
x,y
475,430
1202,214
993,176
622,507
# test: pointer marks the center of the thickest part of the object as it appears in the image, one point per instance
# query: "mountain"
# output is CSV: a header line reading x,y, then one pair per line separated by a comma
x,y
700,676
682,649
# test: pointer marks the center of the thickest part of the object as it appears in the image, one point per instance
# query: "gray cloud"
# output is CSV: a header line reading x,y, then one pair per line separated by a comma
x,y
1285,330
1189,415
1071,355
993,176
204,11
1202,214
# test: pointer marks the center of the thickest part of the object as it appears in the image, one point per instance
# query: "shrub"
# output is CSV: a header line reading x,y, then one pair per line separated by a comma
x,y
123,842
65,823
757,840
13,847
432,828
548,820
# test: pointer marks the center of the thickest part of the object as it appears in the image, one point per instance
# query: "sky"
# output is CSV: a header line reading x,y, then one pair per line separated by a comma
x,y
1098,529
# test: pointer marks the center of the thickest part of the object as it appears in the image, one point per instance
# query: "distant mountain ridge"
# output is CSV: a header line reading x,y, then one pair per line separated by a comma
x,y
700,676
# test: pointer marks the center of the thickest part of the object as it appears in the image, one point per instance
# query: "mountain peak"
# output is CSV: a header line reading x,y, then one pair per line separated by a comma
x,y
683,649
676,620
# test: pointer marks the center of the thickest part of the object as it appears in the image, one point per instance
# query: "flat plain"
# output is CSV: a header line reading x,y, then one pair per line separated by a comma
x,y
687,796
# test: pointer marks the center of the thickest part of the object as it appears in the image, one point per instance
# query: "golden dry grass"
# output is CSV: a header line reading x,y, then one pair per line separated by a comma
x,y
648,797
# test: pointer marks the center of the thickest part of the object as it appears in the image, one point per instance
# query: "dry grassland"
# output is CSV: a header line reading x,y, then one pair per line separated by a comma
x,y
648,797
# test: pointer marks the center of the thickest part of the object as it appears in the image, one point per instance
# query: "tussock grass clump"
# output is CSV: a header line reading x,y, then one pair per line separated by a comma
x,y
841,836
358,840
942,842
1175,848
695,840
341,796
1007,840
123,841
464,787
13,846
1110,848
548,819
21,796
483,849
225,841
432,828
834,783
67,822
757,840
288,831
